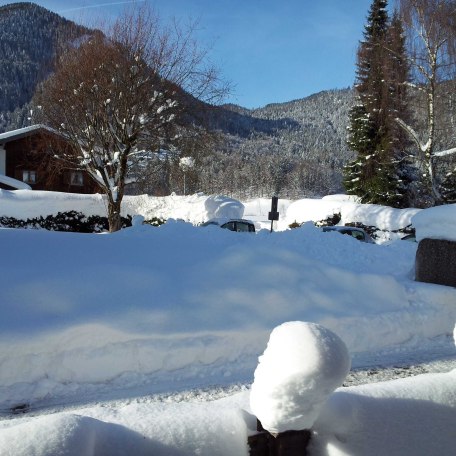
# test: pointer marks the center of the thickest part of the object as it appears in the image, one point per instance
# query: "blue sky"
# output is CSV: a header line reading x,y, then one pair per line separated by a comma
x,y
271,50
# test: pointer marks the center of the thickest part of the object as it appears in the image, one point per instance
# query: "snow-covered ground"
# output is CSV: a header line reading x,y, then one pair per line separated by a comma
x,y
146,341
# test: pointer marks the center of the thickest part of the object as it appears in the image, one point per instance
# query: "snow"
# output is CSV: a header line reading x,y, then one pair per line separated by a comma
x,y
186,163
14,182
384,218
301,366
436,223
401,417
194,208
146,340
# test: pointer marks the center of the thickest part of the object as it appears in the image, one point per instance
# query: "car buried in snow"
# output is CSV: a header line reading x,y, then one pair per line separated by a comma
x,y
238,225
411,237
357,233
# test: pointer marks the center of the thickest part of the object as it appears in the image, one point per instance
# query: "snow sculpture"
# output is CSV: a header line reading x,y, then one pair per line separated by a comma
x,y
302,365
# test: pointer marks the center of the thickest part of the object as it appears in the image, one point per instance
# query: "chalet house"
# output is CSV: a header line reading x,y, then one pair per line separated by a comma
x,y
26,161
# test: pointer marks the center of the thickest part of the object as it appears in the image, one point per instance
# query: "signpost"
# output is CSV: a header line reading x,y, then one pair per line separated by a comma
x,y
274,214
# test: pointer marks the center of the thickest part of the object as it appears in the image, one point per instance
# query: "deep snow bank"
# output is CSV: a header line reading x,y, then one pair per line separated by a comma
x,y
197,208
179,304
382,217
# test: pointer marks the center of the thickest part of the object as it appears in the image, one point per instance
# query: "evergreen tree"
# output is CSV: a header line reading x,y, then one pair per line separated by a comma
x,y
366,176
398,74
379,172
361,139
370,66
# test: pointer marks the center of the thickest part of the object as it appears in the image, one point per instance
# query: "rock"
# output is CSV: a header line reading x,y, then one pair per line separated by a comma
x,y
436,262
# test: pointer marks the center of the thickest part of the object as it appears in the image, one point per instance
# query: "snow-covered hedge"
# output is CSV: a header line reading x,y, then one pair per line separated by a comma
x,y
64,221
26,204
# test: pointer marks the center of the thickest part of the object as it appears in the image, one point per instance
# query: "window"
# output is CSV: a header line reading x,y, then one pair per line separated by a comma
x,y
76,178
29,177
241,226
229,226
358,235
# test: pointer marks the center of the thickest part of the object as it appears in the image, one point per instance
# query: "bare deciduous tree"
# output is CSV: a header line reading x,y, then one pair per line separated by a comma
x,y
122,90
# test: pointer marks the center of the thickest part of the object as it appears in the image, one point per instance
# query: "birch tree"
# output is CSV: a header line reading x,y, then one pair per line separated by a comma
x,y
121,91
431,42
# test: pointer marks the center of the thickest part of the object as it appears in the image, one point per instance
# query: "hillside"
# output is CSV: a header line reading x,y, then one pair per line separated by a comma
x,y
293,149
31,38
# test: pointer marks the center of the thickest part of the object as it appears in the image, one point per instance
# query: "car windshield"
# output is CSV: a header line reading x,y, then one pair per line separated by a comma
x,y
239,226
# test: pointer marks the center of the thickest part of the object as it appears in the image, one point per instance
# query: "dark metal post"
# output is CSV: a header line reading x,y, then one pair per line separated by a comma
x,y
288,443
274,214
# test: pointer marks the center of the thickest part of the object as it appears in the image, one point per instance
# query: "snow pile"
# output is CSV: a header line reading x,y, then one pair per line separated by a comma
x,y
436,223
301,366
409,416
23,204
184,304
195,209
382,217
306,210
258,210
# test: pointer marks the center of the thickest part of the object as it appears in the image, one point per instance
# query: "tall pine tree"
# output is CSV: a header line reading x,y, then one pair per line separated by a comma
x,y
377,175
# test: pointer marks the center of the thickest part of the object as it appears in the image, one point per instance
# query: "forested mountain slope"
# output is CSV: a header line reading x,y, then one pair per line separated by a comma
x,y
296,147
30,37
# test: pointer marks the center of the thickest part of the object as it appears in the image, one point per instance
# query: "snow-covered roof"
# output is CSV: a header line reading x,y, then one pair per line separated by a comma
x,y
22,133
14,183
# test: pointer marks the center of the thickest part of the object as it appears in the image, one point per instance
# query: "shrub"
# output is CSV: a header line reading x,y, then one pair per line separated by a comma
x,y
64,221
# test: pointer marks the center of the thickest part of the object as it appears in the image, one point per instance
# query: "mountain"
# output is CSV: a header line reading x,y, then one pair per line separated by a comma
x,y
306,127
31,38
296,147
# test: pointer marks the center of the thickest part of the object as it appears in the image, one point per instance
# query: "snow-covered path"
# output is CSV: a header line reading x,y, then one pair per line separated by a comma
x,y
437,356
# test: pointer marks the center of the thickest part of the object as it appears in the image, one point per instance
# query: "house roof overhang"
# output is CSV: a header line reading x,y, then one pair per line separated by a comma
x,y
23,133
14,183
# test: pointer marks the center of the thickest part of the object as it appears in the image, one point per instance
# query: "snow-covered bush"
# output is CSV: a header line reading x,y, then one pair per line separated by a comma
x,y
64,221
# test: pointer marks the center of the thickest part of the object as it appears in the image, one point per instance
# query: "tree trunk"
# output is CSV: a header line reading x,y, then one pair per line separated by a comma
x,y
115,223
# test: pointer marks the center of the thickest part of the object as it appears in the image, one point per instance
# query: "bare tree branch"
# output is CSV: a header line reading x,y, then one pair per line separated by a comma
x,y
124,89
